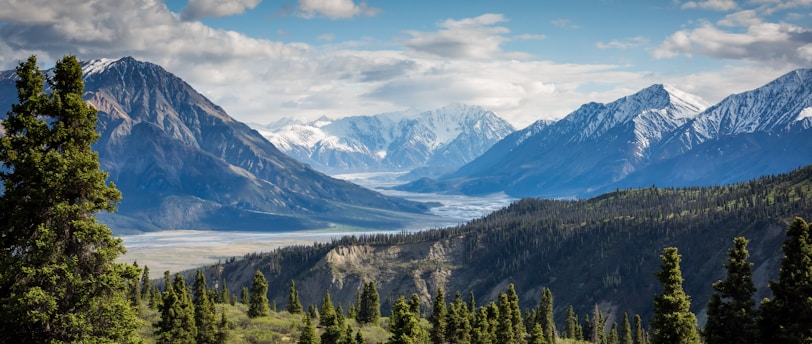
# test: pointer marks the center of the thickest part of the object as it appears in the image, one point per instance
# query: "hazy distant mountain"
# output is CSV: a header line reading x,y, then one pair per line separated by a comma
x,y
594,146
182,162
434,142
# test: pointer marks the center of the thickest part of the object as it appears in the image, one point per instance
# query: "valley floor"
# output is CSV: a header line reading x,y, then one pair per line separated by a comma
x,y
178,250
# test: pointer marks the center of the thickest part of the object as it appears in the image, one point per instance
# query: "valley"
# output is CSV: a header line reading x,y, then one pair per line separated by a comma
x,y
177,250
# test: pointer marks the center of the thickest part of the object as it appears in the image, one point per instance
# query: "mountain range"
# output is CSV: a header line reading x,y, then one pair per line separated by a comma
x,y
182,162
657,136
429,143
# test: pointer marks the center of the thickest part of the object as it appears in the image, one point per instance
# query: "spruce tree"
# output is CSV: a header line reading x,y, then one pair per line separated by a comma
x,y
403,324
504,329
545,313
481,332
614,338
639,333
458,327
59,280
329,321
258,304
626,335
205,314
673,321
146,284
370,310
177,322
359,337
787,317
571,325
438,318
414,305
537,335
244,296
519,331
294,306
731,309
223,327
308,335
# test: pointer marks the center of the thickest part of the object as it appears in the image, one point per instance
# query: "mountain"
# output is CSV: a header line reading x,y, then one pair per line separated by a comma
x,y
601,251
595,146
182,162
433,142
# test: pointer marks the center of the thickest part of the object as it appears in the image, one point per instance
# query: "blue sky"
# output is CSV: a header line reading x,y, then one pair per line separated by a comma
x,y
526,60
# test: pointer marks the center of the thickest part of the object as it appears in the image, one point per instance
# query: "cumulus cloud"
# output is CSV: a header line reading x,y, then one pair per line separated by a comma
x,y
335,9
716,5
470,38
199,9
748,39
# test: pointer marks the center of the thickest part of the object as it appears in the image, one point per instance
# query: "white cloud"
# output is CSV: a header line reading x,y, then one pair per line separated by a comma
x,y
199,9
741,18
622,44
470,38
764,42
716,5
565,23
335,9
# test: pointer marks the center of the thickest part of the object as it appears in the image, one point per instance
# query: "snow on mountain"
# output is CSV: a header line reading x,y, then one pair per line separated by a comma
x,y
441,139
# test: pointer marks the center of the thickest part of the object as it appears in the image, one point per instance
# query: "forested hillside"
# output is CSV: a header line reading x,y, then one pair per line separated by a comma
x,y
603,250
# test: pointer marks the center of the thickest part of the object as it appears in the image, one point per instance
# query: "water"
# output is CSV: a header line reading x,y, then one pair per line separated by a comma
x,y
177,250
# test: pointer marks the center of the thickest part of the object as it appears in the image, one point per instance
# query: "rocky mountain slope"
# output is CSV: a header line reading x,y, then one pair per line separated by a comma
x,y
658,136
601,251
182,162
434,142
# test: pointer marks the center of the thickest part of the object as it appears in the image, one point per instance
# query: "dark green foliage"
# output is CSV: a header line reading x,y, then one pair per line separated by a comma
x,y
205,315
545,315
571,329
787,317
404,324
639,333
177,323
223,328
731,310
258,300
537,335
294,306
329,321
414,304
359,338
626,335
438,318
58,277
505,332
673,321
613,335
308,335
244,296
481,330
458,326
370,308
146,284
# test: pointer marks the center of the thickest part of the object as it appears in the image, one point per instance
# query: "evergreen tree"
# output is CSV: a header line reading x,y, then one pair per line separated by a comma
x,y
438,318
519,330
294,306
731,309
225,294
370,310
639,334
359,337
673,321
135,288
545,312
177,323
258,304
504,329
146,284
329,321
571,325
205,315
787,317
244,296
308,335
403,324
223,327
481,332
613,335
414,305
59,281
626,335
458,328
537,335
